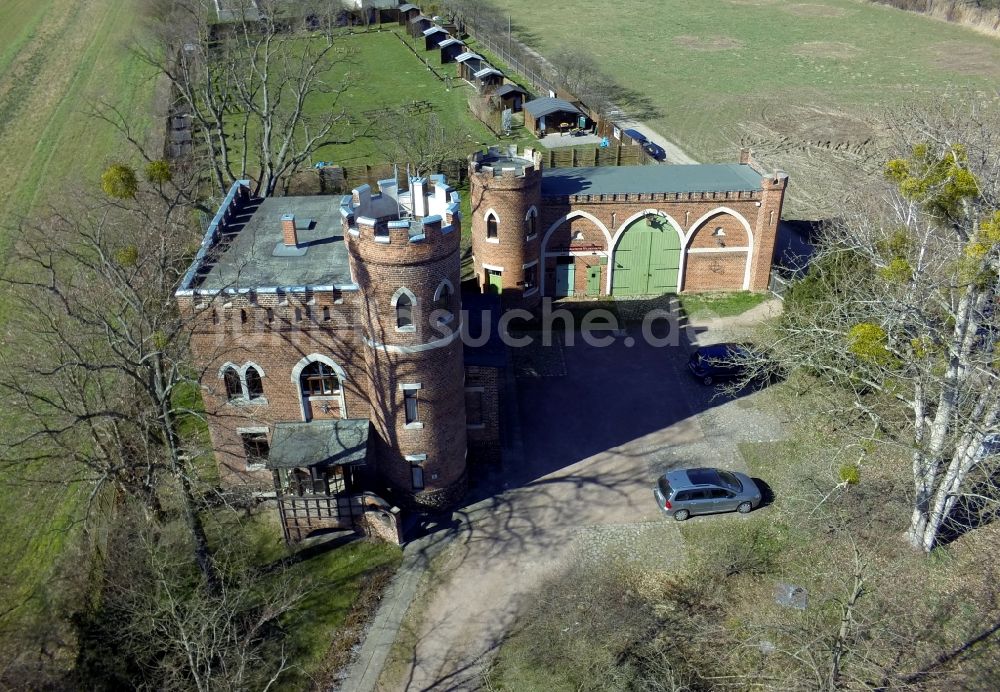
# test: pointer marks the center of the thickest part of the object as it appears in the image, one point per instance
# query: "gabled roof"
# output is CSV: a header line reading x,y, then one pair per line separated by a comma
x,y
449,42
468,56
433,30
505,89
486,71
545,105
407,7
420,18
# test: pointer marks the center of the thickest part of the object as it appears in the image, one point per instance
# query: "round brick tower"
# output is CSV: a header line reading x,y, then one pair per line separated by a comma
x,y
404,255
506,195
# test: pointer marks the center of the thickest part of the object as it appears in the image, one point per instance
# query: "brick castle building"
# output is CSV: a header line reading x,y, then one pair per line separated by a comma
x,y
327,331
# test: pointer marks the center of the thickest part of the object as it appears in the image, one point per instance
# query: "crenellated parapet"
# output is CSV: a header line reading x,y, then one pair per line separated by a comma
x,y
403,227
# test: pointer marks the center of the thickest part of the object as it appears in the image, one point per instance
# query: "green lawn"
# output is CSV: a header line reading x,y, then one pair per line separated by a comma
x,y
720,304
382,73
795,81
56,58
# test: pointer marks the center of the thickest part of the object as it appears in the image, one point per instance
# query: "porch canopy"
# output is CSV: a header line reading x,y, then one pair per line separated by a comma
x,y
547,106
319,444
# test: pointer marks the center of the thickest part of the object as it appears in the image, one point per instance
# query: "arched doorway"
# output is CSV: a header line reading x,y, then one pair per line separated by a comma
x,y
648,258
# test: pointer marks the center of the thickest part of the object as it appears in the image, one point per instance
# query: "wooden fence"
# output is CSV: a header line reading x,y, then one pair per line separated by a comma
x,y
342,179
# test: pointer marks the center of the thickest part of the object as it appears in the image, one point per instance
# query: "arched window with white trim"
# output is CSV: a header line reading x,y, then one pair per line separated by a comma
x,y
319,379
254,382
531,224
443,300
492,225
404,304
234,388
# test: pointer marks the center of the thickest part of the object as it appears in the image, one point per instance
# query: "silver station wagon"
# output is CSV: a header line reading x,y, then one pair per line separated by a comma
x,y
705,491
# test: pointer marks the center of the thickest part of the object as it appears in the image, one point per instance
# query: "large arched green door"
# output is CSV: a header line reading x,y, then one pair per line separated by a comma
x,y
647,259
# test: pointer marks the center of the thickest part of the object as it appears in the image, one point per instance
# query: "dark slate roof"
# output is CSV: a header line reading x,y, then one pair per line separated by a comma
x,y
257,258
510,89
319,443
546,104
711,177
483,312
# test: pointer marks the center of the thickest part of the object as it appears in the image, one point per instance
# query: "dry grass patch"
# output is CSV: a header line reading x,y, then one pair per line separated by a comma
x,y
835,50
708,43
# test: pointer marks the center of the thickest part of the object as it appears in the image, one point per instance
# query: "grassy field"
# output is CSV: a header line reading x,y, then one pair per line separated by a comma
x,y
799,82
56,58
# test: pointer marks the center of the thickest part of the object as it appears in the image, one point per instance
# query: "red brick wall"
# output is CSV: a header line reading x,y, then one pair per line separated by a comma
x,y
511,197
715,271
484,441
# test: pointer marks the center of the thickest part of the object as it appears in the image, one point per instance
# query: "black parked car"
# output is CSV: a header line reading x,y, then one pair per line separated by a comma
x,y
723,361
654,150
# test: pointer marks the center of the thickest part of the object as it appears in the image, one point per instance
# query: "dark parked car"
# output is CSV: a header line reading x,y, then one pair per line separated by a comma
x,y
722,361
635,136
683,493
654,150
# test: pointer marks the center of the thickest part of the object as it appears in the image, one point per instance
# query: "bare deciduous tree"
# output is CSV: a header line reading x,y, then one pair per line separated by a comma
x,y
900,308
97,376
262,89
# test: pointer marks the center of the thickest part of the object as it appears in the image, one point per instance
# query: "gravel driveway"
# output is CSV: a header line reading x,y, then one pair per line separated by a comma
x,y
594,440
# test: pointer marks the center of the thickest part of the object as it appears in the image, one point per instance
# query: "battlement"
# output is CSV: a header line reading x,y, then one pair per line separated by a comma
x,y
506,164
395,217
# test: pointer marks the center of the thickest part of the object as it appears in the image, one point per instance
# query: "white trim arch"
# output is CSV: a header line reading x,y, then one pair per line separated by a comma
x,y
225,366
445,283
624,227
437,291
554,227
312,358
250,364
341,375
746,226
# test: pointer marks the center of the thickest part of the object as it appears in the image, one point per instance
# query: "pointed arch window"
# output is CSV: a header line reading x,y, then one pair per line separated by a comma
x,y
404,304
492,226
255,384
404,312
234,388
443,300
531,224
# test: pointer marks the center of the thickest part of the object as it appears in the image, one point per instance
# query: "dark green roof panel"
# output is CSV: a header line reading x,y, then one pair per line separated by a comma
x,y
609,180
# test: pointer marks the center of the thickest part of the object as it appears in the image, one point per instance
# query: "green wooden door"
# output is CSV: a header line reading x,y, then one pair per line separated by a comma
x,y
664,262
494,282
647,260
594,280
565,277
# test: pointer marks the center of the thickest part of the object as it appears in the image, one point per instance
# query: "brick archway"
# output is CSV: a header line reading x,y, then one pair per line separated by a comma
x,y
648,256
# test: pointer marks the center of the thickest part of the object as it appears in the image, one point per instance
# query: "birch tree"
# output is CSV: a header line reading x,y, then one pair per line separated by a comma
x,y
900,308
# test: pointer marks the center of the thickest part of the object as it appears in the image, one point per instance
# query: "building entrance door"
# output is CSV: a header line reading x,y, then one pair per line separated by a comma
x,y
648,258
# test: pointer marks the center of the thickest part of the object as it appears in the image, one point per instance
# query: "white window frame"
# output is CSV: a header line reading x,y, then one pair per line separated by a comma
x,y
486,218
412,387
400,292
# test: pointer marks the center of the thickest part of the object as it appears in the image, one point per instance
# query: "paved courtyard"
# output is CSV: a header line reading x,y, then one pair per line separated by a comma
x,y
597,426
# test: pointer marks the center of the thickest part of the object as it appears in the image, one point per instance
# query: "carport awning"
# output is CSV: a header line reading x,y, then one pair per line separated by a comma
x,y
547,105
319,443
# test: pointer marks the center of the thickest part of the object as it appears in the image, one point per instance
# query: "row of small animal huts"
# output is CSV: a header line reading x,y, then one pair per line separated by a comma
x,y
543,115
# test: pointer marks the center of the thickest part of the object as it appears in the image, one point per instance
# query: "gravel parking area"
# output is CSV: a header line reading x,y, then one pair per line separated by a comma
x,y
599,424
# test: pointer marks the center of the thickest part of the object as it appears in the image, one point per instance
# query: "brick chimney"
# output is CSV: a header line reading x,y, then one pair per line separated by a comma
x,y
291,236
